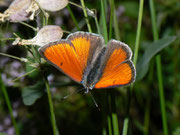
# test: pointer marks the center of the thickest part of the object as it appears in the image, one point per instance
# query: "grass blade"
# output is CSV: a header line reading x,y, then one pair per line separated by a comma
x,y
125,126
86,16
53,120
116,27
105,35
126,121
111,2
115,124
159,69
2,87
73,17
138,32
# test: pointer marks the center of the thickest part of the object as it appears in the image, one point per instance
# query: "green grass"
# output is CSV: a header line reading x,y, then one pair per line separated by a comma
x,y
86,16
8,102
53,119
137,42
159,69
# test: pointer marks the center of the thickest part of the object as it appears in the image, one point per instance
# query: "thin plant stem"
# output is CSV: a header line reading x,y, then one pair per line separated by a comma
x,y
52,116
104,131
111,2
109,110
116,27
95,17
24,75
105,35
73,17
16,35
161,94
35,53
46,15
14,57
86,16
125,126
97,25
6,39
147,117
109,125
115,124
53,120
153,20
65,31
138,32
7,100
35,29
72,3
159,69
140,15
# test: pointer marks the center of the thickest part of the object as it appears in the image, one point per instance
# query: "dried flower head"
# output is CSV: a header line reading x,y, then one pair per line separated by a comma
x,y
52,5
19,10
47,34
23,10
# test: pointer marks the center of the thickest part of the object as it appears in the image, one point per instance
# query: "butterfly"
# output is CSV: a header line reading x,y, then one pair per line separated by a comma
x,y
85,59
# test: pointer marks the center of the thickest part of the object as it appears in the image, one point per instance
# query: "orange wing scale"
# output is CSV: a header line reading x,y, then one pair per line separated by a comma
x,y
118,56
71,59
64,57
82,46
120,75
118,70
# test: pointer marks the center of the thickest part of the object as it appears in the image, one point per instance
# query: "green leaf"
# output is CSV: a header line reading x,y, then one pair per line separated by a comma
x,y
151,50
29,68
31,93
177,131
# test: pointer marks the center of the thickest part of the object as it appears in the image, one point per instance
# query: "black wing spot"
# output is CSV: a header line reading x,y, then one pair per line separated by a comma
x,y
114,81
61,63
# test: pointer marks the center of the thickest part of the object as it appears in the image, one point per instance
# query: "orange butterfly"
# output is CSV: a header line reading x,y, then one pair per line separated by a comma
x,y
84,58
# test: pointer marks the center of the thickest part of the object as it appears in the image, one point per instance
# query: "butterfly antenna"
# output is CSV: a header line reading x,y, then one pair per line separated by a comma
x,y
94,101
72,94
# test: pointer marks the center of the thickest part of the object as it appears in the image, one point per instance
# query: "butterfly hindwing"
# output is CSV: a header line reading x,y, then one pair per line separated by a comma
x,y
118,69
74,54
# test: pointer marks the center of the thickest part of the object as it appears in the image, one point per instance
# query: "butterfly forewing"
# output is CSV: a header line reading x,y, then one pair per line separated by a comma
x,y
74,54
62,55
118,69
87,46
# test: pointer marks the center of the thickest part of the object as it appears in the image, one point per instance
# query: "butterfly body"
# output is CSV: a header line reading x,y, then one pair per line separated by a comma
x,y
93,72
85,59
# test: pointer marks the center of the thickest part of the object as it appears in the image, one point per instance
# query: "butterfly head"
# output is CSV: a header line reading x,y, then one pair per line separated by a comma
x,y
87,86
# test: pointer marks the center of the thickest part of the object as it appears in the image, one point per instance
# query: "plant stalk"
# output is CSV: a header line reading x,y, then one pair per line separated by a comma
x,y
53,120
159,69
86,16
140,15
7,100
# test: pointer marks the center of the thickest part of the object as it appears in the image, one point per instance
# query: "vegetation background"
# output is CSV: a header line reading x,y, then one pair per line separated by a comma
x,y
151,106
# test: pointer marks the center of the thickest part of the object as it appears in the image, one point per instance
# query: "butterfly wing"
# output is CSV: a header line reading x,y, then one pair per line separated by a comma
x,y
118,69
74,54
